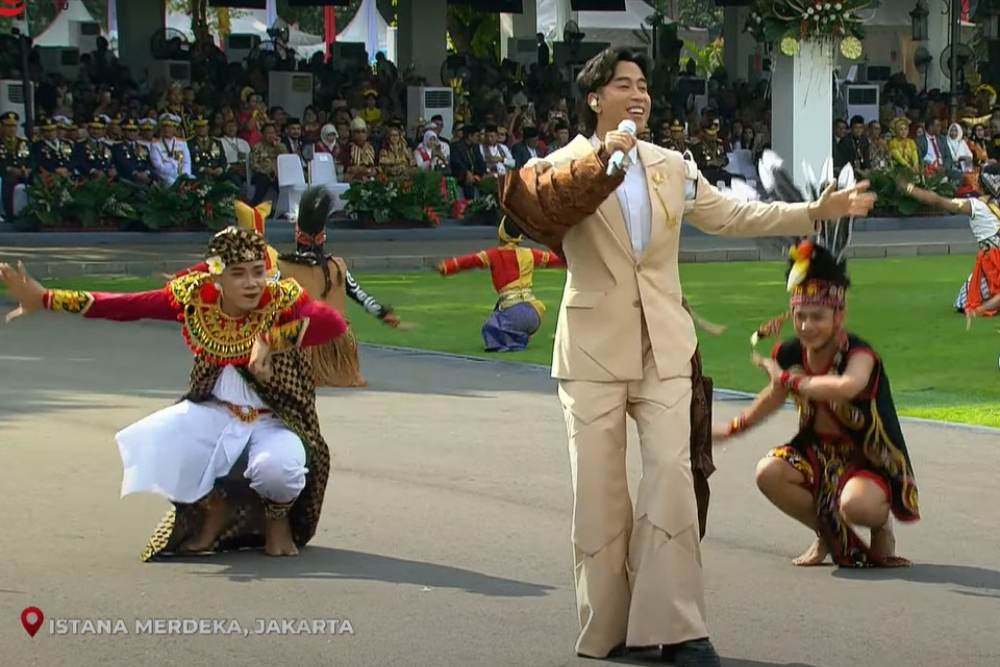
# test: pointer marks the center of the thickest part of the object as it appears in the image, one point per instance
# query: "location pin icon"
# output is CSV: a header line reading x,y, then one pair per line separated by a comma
x,y
31,619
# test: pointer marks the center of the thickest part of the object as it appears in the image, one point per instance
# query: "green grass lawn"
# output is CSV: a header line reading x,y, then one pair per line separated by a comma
x,y
902,306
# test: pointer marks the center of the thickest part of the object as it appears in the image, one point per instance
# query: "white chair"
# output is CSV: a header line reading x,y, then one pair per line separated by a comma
x,y
291,185
323,172
20,197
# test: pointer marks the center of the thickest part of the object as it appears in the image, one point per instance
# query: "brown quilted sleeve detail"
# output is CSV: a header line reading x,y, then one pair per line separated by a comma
x,y
545,201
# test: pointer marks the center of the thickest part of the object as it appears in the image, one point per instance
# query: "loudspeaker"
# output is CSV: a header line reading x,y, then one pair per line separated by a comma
x,y
597,5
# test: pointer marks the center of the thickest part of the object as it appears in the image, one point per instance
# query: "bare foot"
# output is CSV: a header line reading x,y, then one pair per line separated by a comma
x,y
278,538
216,516
814,555
883,548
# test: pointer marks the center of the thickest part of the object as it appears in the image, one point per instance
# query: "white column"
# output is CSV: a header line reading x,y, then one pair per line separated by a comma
x,y
802,108
137,21
518,26
937,41
738,45
422,37
552,17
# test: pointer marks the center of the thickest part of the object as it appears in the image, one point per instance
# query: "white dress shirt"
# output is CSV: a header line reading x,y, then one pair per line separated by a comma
x,y
170,159
633,195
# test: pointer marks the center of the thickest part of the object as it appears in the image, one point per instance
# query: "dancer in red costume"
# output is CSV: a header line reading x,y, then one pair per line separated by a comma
x,y
518,312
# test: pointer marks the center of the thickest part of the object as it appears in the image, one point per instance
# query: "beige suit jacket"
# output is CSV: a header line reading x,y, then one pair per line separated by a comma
x,y
608,290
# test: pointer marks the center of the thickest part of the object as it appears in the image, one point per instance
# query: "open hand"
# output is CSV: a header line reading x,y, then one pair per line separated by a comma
x,y
26,290
851,202
392,319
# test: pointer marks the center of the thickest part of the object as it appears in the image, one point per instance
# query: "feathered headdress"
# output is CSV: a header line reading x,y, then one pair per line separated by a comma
x,y
817,267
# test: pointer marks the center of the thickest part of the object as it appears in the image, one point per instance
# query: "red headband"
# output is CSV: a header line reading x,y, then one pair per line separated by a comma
x,y
311,240
819,293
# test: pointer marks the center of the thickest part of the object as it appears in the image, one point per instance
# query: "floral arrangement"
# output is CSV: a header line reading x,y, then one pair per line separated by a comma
x,y
190,204
416,197
789,22
58,202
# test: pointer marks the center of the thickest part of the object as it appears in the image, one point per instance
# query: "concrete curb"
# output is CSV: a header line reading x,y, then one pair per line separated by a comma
x,y
283,232
409,263
718,395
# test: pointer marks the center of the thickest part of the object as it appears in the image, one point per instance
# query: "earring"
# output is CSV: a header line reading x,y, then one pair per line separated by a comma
x,y
594,105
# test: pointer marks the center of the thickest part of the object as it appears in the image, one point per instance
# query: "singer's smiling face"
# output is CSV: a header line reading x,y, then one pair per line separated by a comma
x,y
625,96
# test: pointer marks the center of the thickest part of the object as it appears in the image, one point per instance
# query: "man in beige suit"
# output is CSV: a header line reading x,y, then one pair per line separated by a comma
x,y
624,346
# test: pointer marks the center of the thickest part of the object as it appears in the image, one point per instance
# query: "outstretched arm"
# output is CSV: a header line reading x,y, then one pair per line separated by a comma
x,y
476,260
963,206
368,302
767,403
32,296
545,259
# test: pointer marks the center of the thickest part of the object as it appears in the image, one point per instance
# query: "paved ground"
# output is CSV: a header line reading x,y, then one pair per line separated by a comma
x,y
445,535
65,255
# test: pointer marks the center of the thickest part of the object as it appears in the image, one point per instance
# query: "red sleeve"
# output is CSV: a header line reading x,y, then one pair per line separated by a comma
x,y
200,267
477,260
153,305
544,258
310,322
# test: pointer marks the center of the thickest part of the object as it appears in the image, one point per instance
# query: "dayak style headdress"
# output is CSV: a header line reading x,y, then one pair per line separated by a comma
x,y
234,245
817,266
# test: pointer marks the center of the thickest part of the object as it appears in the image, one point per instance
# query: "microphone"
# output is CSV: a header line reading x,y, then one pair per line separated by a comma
x,y
615,163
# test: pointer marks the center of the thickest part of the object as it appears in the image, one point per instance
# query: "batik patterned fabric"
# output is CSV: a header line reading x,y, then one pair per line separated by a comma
x,y
291,394
871,443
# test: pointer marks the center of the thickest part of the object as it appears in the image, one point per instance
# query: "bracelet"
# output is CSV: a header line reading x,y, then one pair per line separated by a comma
x,y
790,382
739,424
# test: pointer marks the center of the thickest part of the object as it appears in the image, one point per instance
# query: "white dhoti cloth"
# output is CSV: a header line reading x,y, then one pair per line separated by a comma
x,y
180,451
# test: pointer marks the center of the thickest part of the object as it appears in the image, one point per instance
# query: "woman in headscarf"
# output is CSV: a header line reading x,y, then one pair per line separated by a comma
x,y
428,155
963,160
329,141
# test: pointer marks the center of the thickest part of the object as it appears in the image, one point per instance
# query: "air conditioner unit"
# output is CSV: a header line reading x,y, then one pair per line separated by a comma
x,y
62,59
425,102
84,35
12,98
862,100
292,91
239,45
170,71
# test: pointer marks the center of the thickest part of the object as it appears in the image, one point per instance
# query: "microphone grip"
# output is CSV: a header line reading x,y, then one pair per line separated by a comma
x,y
615,162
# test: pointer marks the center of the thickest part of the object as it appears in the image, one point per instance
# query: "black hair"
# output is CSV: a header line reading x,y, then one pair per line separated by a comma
x,y
314,210
857,120
598,73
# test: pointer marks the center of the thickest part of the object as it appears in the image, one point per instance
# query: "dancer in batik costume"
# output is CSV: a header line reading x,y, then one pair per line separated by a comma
x,y
241,458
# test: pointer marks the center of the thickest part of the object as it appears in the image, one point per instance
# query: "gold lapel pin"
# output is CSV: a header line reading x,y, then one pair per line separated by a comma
x,y
657,177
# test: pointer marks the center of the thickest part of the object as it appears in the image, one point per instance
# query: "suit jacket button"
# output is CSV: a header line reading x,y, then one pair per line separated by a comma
x,y
637,303
638,269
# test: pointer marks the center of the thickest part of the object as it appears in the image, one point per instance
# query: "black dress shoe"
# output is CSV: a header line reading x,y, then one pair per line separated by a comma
x,y
694,653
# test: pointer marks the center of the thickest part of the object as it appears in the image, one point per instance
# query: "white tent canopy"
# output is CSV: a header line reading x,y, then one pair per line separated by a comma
x,y
250,21
58,32
552,16
369,28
